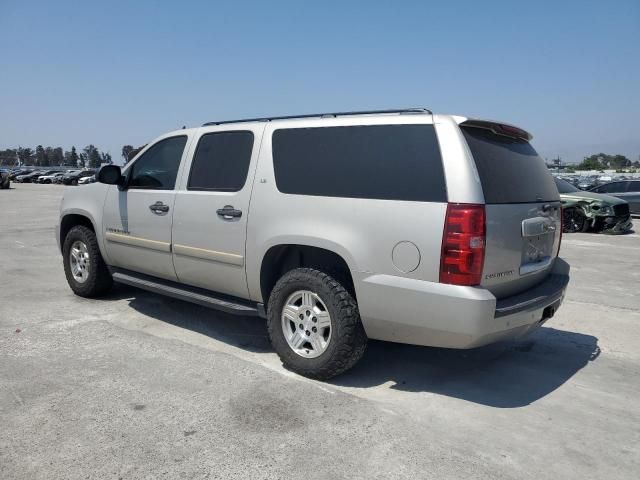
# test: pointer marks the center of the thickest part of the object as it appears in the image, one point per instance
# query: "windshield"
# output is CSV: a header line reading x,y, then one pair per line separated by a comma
x,y
564,186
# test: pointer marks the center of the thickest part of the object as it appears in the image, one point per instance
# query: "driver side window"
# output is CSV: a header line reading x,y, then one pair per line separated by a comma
x,y
157,168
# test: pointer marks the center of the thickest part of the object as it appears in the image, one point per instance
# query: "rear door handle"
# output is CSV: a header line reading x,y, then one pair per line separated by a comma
x,y
159,208
228,212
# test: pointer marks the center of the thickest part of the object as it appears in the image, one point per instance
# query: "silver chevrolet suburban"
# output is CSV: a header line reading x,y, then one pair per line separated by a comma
x,y
397,225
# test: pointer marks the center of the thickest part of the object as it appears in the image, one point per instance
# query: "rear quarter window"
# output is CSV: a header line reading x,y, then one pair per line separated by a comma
x,y
510,169
387,162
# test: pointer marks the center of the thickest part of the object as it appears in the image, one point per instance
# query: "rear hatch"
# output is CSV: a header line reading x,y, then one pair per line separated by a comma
x,y
523,215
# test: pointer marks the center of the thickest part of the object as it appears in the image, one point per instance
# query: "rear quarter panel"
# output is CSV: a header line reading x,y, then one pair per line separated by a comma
x,y
362,231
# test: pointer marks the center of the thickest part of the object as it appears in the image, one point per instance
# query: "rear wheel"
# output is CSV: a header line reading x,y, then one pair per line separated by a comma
x,y
86,272
314,324
574,220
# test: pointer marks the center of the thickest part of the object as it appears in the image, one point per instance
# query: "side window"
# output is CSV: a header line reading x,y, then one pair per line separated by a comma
x,y
221,161
611,188
386,162
633,186
157,168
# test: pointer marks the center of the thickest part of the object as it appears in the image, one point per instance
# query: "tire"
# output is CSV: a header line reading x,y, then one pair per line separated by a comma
x,y
574,220
347,341
98,280
74,182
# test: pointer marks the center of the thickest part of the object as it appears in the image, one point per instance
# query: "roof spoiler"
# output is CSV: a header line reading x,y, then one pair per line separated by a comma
x,y
499,129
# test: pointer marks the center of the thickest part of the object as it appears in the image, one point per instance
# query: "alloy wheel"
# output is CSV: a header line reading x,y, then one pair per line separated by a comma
x,y
306,324
79,261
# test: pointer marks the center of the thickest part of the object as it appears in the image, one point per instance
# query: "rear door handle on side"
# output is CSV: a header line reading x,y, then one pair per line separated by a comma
x,y
228,212
159,208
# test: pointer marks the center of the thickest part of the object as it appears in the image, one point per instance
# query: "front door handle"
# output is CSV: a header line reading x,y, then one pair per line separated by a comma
x,y
228,212
159,208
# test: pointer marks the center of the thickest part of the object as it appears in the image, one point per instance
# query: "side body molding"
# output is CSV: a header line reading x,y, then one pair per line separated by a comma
x,y
138,242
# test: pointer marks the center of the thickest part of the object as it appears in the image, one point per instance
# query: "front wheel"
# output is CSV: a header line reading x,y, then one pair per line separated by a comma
x,y
314,324
86,272
574,220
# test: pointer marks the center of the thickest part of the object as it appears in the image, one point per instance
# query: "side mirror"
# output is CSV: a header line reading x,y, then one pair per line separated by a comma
x,y
110,174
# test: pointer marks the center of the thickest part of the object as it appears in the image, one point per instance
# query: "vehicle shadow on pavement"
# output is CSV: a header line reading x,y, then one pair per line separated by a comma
x,y
248,333
504,375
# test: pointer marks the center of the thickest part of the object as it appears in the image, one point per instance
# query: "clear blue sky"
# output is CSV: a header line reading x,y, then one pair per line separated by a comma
x,y
114,73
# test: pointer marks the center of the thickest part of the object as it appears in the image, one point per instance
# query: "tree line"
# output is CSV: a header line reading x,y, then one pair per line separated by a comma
x,y
602,161
89,157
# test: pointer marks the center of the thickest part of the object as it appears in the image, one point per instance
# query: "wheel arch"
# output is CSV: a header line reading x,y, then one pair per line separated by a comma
x,y
281,258
73,219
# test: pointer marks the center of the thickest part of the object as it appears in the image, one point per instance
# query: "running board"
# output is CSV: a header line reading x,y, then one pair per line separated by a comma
x,y
187,293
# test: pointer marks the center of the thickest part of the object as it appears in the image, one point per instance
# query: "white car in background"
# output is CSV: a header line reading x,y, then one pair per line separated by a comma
x,y
86,180
53,178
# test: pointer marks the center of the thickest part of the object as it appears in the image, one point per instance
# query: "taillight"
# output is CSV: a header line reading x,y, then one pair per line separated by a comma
x,y
463,244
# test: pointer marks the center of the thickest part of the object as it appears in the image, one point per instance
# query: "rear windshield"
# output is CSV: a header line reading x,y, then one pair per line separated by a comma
x,y
510,170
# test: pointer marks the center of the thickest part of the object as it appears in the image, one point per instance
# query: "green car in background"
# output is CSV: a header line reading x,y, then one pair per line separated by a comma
x,y
584,211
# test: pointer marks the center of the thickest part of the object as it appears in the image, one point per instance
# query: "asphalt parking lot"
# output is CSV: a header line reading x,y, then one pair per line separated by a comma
x,y
140,386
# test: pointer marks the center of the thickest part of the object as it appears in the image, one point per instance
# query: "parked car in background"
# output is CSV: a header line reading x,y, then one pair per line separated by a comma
x,y
50,178
19,171
573,180
627,190
586,183
19,176
583,211
46,173
64,174
85,180
74,177
5,181
59,179
33,176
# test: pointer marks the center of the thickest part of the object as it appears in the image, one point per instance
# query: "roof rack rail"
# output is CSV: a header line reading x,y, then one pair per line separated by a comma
x,y
322,115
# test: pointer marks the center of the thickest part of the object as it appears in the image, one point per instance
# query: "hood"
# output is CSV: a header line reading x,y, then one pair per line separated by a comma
x,y
598,197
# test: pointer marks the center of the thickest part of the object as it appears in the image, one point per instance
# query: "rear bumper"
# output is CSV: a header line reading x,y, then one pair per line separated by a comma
x,y
433,314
